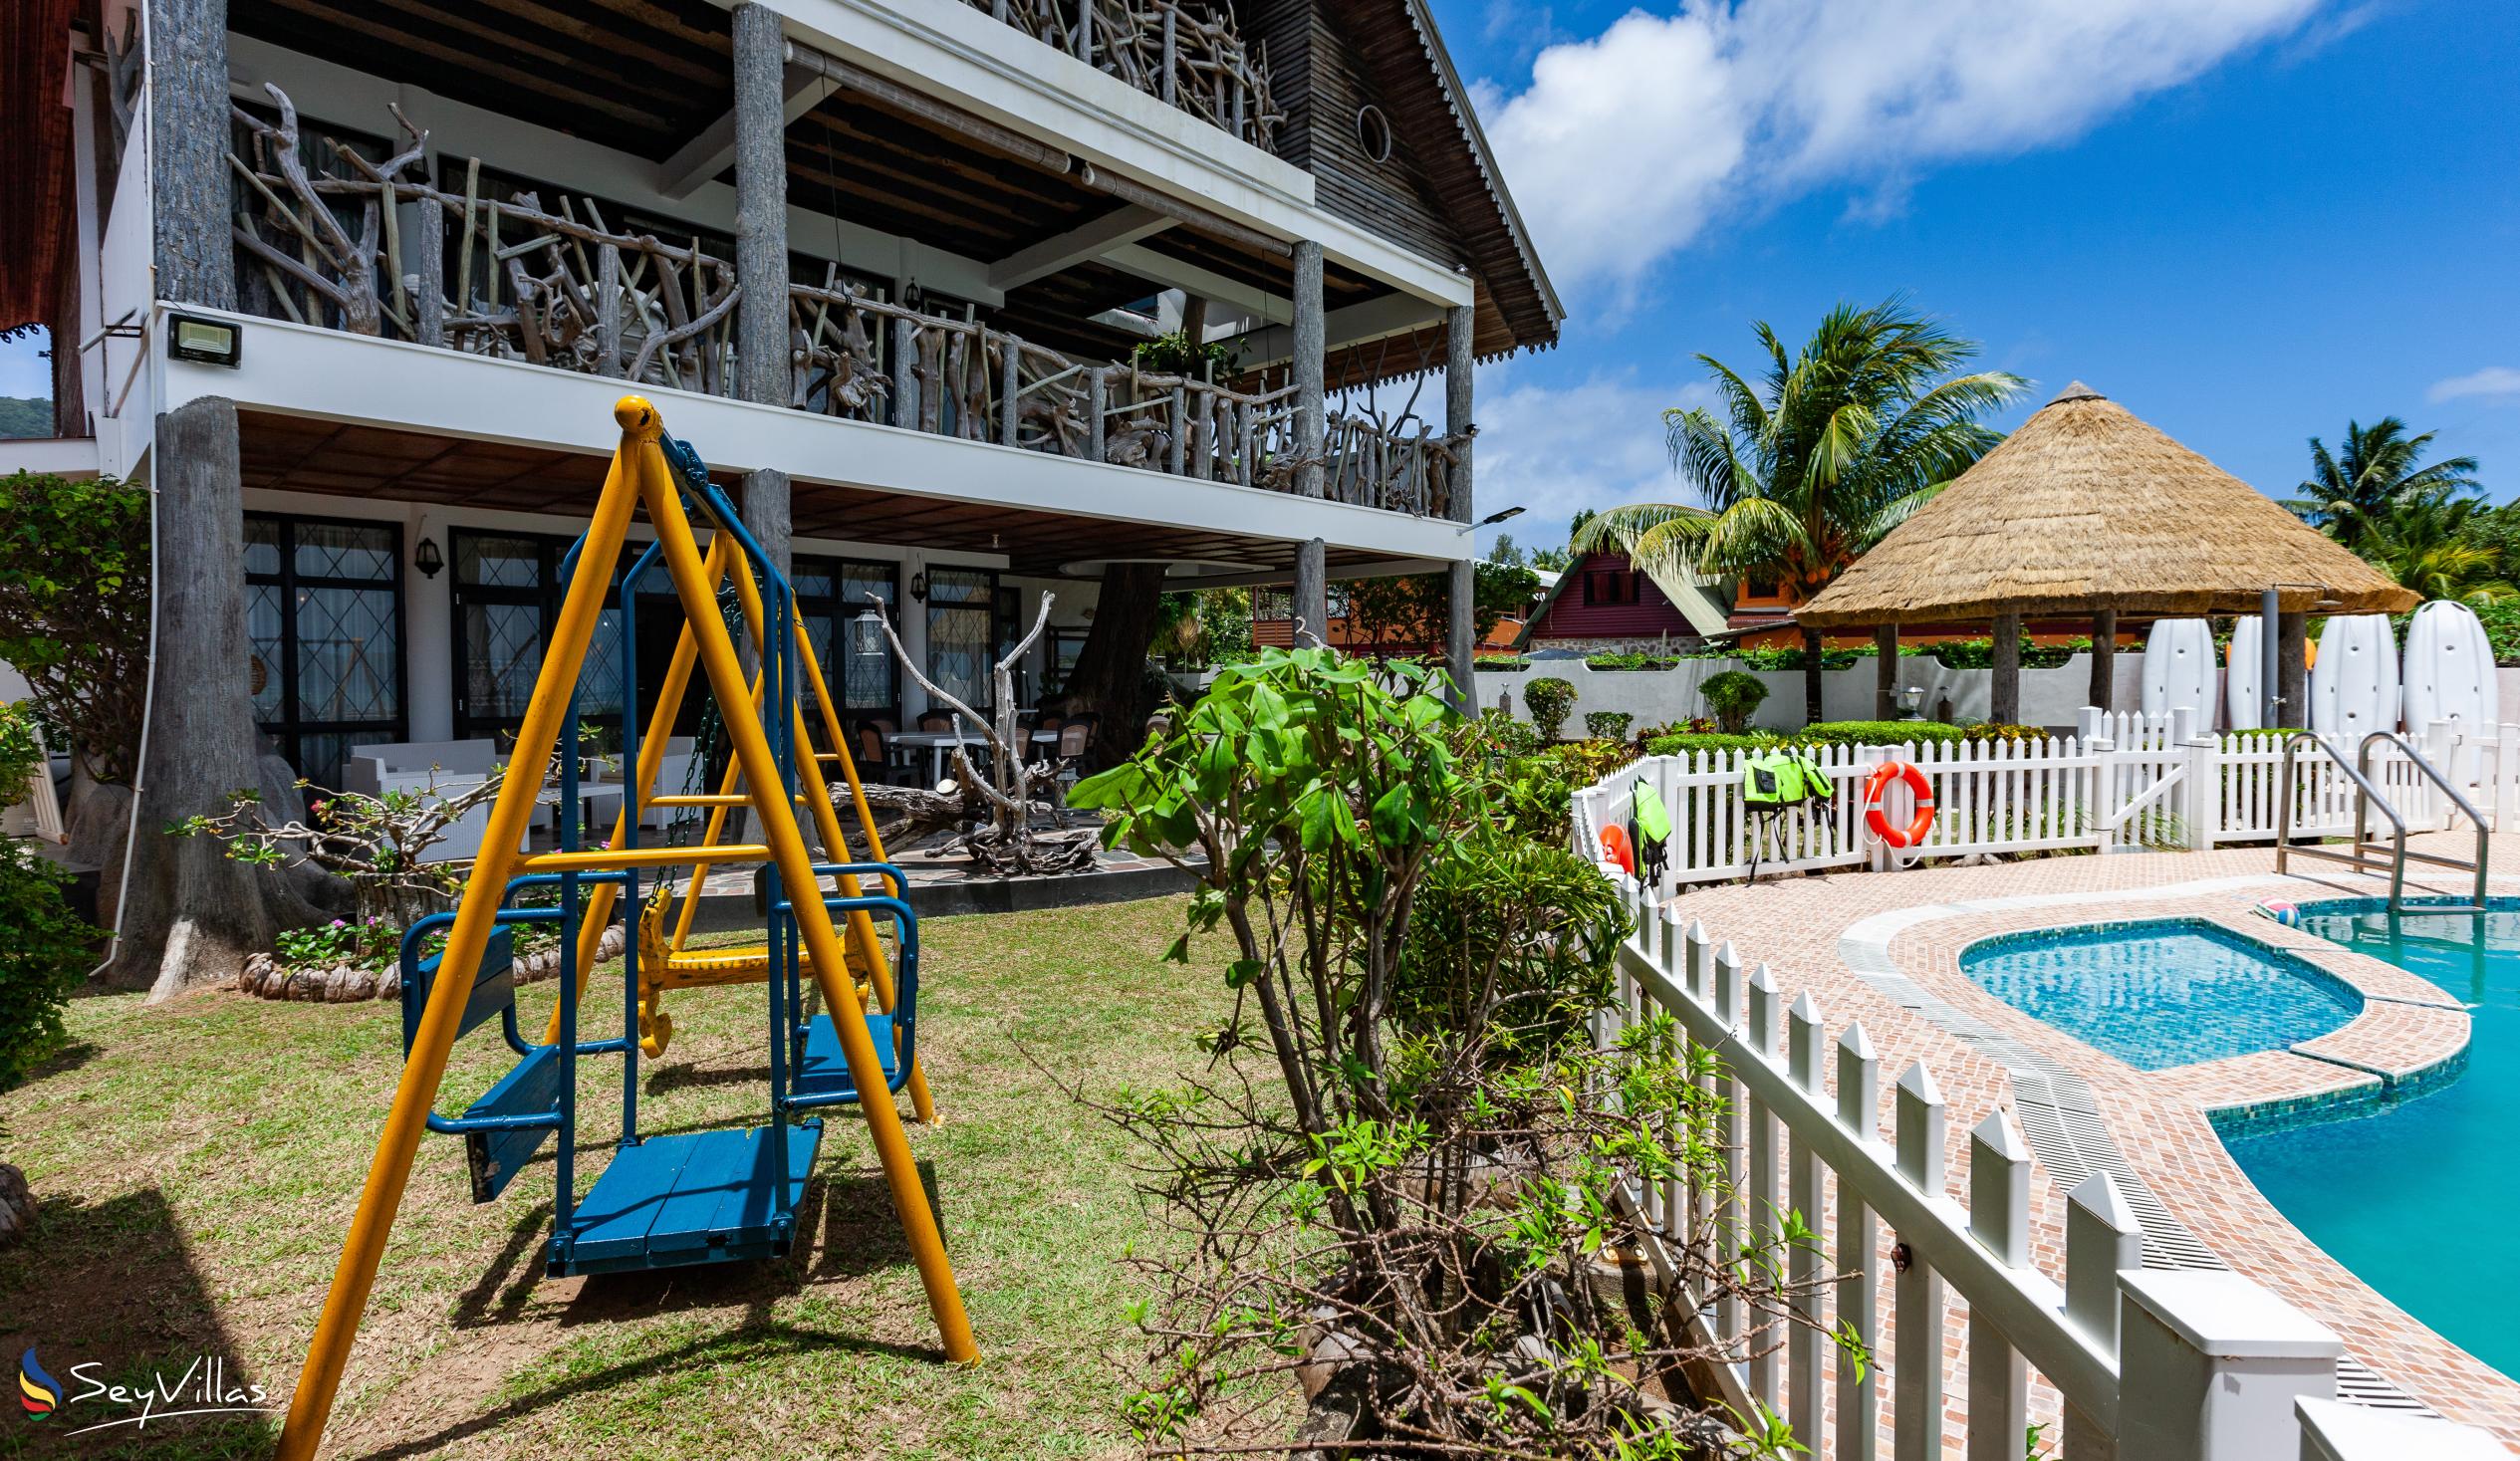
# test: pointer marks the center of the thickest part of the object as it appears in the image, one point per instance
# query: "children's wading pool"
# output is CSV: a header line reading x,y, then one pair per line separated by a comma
x,y
2161,993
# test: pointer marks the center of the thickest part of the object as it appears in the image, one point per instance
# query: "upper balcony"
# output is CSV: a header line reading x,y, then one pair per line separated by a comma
x,y
1071,357
1187,56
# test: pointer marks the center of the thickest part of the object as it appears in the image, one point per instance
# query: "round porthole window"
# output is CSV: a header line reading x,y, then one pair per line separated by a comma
x,y
1374,131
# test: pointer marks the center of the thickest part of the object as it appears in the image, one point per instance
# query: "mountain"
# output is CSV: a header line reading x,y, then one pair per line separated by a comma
x,y
25,416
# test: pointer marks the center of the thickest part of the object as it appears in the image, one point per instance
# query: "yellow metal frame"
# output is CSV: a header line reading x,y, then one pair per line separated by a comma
x,y
638,475
717,968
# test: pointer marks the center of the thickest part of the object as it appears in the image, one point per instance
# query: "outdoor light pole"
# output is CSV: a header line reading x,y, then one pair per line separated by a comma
x,y
2271,659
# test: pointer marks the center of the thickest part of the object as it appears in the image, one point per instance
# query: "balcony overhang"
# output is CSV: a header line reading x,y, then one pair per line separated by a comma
x,y
360,417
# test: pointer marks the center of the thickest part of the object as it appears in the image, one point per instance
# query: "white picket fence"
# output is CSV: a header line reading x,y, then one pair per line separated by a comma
x,y
2122,781
2152,1365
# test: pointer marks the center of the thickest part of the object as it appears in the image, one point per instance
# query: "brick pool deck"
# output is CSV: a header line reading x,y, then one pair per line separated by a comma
x,y
1883,948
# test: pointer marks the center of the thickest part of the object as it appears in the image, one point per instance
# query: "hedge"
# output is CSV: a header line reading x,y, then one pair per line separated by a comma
x,y
1826,733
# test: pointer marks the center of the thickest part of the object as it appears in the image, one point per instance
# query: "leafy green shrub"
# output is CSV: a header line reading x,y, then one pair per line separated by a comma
x,y
1991,730
1607,725
1980,654
2502,628
45,950
1876,733
1734,697
1550,700
21,754
1791,657
1500,664
1499,733
1681,743
1631,659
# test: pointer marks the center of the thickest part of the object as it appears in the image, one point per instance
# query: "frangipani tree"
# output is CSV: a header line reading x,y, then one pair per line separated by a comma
x,y
1836,444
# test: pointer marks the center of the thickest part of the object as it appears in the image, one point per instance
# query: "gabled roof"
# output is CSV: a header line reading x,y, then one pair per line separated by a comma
x,y
1685,588
2085,506
1518,309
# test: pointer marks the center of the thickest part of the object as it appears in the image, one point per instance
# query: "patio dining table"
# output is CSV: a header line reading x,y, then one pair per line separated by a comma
x,y
940,744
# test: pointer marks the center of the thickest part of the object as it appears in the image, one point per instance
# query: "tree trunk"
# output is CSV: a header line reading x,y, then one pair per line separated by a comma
x,y
2105,659
2006,709
1813,648
191,915
1111,670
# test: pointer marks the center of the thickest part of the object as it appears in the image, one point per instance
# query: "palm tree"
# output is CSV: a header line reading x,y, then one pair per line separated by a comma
x,y
1838,444
2351,495
2427,545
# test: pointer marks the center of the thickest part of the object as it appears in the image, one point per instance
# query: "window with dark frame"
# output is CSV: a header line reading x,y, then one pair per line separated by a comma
x,y
324,614
1610,588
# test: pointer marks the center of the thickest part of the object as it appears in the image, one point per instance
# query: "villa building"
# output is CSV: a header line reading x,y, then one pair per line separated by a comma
x,y
962,301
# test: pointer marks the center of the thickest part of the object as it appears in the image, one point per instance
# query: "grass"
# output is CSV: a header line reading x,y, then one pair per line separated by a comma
x,y
196,1165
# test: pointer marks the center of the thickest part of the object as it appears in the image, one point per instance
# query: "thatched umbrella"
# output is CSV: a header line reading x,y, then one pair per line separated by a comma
x,y
2088,511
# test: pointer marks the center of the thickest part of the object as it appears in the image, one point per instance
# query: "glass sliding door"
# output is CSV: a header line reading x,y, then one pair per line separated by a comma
x,y
324,612
962,632
832,593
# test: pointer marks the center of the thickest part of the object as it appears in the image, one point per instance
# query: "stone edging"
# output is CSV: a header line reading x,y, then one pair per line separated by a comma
x,y
264,977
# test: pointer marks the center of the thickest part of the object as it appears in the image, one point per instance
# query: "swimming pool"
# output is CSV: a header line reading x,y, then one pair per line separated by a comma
x,y
2415,1193
2162,992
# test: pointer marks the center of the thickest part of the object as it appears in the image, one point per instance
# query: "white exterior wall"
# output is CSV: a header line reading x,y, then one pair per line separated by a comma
x,y
2049,697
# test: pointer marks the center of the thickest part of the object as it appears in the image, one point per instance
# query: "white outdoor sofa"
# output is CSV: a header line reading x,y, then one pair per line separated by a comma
x,y
444,768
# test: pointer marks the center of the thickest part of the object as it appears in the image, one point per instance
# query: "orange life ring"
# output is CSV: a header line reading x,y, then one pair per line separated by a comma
x,y
1914,832
1614,847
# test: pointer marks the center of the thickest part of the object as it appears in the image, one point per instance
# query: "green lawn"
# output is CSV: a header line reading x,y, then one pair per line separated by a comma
x,y
196,1165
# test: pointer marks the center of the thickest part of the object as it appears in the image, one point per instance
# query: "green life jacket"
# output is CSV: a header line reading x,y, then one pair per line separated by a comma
x,y
1778,778
1770,780
1653,820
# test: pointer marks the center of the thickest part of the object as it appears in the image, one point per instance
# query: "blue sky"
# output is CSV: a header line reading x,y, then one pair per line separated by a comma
x,y
2246,220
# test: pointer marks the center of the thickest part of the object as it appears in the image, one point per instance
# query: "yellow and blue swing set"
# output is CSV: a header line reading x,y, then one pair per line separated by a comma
x,y
672,1199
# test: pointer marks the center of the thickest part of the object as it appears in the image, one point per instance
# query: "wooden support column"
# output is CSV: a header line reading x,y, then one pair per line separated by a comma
x,y
2292,645
1310,412
763,373
1885,671
190,914
1312,593
1462,633
2103,658
1461,365
195,253
2006,706
766,511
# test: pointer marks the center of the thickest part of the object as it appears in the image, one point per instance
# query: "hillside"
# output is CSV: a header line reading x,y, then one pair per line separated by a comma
x,y
24,416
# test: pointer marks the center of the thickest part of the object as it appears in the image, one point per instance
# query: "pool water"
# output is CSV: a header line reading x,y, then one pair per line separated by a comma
x,y
2167,992
2417,1195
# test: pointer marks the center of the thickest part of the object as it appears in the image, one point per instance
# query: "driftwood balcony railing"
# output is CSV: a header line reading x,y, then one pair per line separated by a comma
x,y
1188,55
559,287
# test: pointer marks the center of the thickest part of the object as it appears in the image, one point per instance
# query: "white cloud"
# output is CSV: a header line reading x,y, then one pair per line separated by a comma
x,y
1554,449
2490,382
1624,147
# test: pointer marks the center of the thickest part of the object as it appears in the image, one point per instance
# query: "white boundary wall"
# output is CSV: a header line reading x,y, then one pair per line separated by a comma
x,y
2053,698
2049,697
2152,1364
2124,783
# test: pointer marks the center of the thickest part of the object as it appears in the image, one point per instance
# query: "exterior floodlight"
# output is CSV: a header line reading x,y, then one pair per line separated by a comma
x,y
210,341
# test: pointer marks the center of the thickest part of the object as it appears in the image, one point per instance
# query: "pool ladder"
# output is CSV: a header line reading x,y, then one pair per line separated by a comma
x,y
2366,855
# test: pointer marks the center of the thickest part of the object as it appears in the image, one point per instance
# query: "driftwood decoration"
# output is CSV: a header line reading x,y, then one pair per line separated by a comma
x,y
1008,845
1188,56
389,252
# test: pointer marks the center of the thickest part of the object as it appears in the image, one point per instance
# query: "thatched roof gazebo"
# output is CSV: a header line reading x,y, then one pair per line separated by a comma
x,y
2087,509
